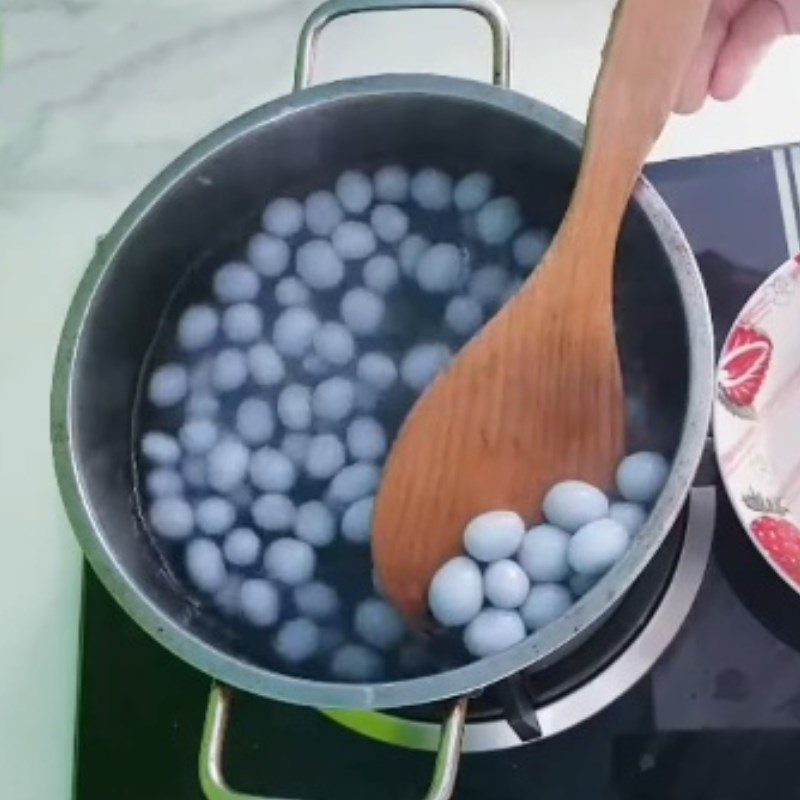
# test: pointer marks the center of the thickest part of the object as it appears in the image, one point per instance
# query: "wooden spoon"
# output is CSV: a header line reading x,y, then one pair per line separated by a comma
x,y
537,397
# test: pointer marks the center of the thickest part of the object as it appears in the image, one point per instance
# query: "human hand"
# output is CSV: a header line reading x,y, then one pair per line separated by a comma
x,y
736,37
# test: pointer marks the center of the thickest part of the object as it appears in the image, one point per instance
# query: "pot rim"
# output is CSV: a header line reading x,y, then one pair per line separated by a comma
x,y
536,648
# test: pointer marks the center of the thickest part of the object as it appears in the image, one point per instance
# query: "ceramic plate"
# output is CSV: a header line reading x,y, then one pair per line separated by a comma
x,y
757,419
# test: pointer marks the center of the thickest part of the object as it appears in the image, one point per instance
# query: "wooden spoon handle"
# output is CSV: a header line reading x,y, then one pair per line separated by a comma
x,y
647,53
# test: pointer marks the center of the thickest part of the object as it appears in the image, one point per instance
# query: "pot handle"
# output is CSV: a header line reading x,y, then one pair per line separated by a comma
x,y
333,9
215,727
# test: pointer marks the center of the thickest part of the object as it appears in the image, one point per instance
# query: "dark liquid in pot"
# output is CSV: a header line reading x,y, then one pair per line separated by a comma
x,y
412,316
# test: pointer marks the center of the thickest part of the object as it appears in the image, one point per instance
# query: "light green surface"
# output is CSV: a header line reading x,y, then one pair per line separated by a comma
x,y
39,570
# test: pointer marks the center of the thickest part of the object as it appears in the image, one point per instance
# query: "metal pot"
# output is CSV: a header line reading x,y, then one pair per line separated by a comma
x,y
293,145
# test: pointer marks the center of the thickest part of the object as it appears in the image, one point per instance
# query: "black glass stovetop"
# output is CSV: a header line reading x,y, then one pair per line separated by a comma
x,y
717,719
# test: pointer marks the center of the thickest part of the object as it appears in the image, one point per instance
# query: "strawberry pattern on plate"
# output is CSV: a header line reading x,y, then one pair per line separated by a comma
x,y
743,367
757,419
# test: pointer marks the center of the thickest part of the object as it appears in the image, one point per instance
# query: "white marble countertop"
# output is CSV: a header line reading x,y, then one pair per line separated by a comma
x,y
96,96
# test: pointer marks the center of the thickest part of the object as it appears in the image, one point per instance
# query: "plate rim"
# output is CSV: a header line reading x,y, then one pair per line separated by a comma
x,y
791,264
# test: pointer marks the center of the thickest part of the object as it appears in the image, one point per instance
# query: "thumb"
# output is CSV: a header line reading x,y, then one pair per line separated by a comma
x,y
750,35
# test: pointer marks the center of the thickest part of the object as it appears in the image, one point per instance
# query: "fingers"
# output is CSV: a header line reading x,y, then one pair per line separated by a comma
x,y
697,81
791,10
750,35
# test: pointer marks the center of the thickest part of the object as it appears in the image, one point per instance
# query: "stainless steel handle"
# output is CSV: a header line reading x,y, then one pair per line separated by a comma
x,y
333,9
212,750
448,755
